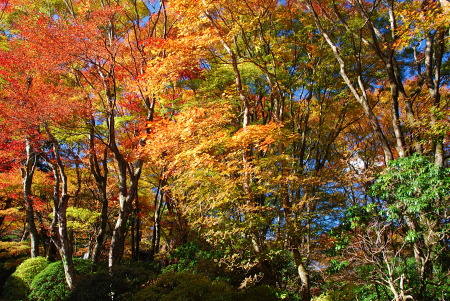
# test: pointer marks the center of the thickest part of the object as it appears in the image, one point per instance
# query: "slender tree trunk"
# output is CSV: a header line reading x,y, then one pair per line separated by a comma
x,y
386,54
100,239
125,200
52,253
118,238
65,247
125,203
126,171
434,52
126,195
27,172
157,219
61,202
303,274
99,170
294,244
396,124
256,238
137,230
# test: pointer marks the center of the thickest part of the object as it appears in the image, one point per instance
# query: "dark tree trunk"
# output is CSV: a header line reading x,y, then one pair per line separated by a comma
x,y
157,218
27,172
136,231
99,170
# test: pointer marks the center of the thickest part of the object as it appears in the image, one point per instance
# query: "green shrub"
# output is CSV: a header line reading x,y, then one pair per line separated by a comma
x,y
345,293
257,293
12,254
199,258
50,284
120,285
17,286
173,286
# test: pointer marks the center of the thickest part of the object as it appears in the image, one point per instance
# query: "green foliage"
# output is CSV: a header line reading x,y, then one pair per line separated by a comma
x,y
7,266
257,293
355,216
50,284
441,272
185,287
337,266
81,218
197,258
218,79
413,184
187,257
173,286
12,254
120,285
370,292
346,293
17,286
416,197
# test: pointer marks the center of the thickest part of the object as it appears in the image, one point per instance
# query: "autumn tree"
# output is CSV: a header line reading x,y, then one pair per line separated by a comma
x,y
258,126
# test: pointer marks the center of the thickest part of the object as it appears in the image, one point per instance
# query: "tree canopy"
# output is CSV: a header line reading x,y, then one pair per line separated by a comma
x,y
294,149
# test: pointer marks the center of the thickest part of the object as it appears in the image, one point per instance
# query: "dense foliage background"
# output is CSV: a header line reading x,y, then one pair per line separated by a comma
x,y
224,150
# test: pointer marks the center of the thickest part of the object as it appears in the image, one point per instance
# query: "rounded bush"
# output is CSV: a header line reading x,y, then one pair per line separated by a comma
x,y
17,286
257,293
185,287
103,286
50,284
12,254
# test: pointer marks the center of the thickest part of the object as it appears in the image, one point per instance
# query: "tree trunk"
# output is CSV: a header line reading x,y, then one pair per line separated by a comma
x,y
433,61
298,258
125,199
156,235
118,238
137,230
100,239
65,247
27,172
303,274
99,170
60,203
126,170
52,254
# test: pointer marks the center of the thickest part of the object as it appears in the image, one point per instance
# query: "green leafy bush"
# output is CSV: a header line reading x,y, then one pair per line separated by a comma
x,y
345,293
120,285
185,287
199,258
17,286
12,254
334,296
50,284
257,293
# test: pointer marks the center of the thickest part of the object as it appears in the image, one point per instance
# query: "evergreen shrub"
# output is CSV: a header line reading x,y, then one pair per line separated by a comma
x,y
17,287
121,285
257,293
50,284
184,286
